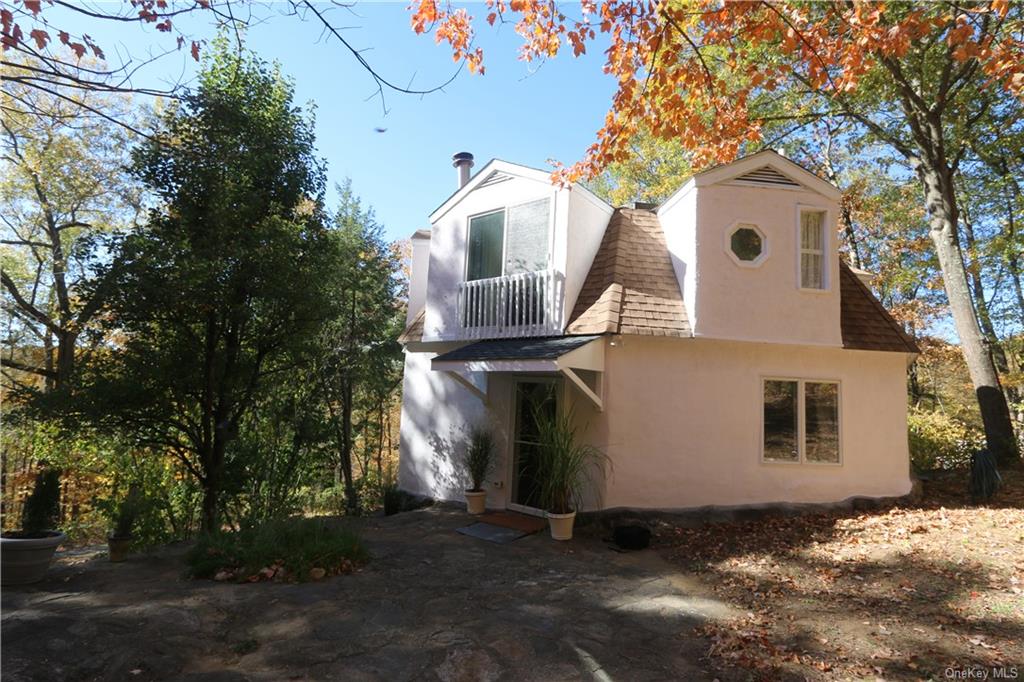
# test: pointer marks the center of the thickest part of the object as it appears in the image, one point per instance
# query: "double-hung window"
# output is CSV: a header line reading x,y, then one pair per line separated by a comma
x,y
800,421
813,240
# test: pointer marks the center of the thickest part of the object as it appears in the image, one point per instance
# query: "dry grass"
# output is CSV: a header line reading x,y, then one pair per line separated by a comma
x,y
899,593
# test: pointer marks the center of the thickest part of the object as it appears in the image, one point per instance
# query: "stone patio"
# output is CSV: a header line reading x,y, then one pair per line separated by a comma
x,y
431,605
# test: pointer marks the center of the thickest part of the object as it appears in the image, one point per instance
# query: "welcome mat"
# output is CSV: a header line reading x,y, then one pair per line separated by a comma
x,y
491,533
523,522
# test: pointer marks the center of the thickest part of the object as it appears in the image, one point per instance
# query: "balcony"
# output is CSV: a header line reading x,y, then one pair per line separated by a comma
x,y
524,304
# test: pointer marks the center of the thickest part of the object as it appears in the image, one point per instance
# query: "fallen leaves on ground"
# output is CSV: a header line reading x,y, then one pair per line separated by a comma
x,y
901,593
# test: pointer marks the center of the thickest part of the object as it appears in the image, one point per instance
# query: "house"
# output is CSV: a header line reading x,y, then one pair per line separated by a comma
x,y
715,347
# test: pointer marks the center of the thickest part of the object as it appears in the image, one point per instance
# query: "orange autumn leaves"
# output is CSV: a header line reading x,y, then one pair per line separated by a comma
x,y
689,68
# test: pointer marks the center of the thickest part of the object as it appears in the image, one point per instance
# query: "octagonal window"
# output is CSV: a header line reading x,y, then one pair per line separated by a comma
x,y
746,244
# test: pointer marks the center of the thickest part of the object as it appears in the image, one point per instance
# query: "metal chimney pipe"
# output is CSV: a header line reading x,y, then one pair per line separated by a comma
x,y
463,162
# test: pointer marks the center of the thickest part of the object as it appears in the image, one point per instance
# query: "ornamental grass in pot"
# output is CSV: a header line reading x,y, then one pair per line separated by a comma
x,y
25,554
565,468
479,458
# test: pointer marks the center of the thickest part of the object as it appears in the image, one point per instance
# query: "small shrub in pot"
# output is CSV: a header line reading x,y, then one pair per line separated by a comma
x,y
27,553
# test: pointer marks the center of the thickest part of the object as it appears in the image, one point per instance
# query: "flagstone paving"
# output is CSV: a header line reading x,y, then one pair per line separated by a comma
x,y
431,605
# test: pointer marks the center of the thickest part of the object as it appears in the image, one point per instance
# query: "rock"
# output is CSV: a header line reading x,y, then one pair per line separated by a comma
x,y
317,573
469,665
223,575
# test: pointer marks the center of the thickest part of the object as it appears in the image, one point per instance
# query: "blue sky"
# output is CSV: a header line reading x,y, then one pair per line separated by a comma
x,y
527,113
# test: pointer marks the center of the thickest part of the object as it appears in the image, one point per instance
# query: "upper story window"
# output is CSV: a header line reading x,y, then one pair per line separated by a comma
x,y
813,241
746,244
509,241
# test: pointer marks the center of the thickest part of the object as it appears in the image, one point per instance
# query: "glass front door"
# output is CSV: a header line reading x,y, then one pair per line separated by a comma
x,y
533,398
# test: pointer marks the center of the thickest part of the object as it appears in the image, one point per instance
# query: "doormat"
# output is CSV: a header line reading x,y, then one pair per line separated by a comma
x,y
523,522
492,533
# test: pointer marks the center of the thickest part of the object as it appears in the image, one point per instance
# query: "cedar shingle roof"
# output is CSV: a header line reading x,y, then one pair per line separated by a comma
x,y
865,323
414,330
632,287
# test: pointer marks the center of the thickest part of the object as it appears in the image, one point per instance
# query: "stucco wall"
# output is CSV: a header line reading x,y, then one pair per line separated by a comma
x,y
437,416
587,220
682,424
679,223
761,303
419,268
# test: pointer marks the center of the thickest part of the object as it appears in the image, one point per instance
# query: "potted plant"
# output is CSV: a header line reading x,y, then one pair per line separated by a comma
x,y
479,456
120,539
27,553
564,468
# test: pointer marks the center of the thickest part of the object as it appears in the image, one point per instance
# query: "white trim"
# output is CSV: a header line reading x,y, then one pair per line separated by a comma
x,y
768,157
513,169
727,243
801,420
826,248
781,342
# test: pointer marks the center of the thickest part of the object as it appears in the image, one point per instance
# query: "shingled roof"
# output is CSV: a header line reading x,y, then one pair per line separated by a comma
x,y
865,323
631,287
414,330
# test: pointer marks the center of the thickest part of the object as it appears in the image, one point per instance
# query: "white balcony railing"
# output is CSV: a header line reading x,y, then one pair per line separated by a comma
x,y
525,304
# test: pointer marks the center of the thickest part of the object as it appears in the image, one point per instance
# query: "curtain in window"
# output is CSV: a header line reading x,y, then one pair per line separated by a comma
x,y
821,425
780,421
812,250
486,234
528,237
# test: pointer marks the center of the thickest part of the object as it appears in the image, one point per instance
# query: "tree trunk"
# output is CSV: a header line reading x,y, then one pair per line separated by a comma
x,y
351,498
940,200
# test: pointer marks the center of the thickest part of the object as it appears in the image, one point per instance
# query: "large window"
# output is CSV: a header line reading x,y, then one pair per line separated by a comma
x,y
493,253
486,245
812,250
800,421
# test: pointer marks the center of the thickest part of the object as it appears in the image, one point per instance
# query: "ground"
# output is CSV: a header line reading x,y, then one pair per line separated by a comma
x,y
902,593
431,604
912,591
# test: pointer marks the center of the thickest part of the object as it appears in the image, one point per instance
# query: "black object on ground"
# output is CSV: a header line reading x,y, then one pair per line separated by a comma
x,y
631,537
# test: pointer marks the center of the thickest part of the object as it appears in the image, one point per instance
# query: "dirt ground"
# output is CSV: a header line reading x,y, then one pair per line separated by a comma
x,y
926,591
929,590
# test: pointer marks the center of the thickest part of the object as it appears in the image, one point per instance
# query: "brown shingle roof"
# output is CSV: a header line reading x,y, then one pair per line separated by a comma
x,y
632,287
414,330
865,323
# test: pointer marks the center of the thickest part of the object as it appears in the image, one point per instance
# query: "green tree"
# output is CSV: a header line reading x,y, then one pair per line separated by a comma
x,y
359,363
63,181
225,288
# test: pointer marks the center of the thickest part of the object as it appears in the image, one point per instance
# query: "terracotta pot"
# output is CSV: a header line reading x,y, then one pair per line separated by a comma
x,y
561,525
25,560
118,548
476,501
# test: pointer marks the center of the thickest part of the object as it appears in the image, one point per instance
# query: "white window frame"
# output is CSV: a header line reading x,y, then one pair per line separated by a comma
x,y
801,421
503,210
826,245
727,244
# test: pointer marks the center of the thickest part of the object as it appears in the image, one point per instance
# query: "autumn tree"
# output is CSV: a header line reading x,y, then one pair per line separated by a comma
x,y
919,78
63,181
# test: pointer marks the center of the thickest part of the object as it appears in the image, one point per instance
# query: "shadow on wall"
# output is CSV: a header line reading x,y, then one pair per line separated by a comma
x,y
437,417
